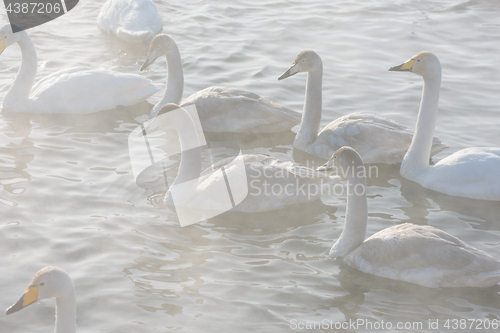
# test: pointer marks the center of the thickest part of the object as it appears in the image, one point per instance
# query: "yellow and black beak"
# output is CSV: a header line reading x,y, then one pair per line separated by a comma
x,y
2,45
30,296
404,67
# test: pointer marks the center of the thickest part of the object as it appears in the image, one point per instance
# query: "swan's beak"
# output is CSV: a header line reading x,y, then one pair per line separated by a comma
x,y
321,168
149,60
404,67
327,166
2,46
294,69
30,296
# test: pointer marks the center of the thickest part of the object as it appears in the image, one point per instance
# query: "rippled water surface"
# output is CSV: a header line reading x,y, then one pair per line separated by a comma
x,y
68,197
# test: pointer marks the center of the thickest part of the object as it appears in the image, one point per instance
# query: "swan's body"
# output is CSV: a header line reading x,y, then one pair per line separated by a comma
x,y
224,109
470,173
426,256
220,109
272,184
52,282
133,21
376,139
78,90
417,254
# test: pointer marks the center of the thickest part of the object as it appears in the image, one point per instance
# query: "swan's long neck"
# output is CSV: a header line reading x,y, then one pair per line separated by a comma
x,y
175,80
311,117
25,78
66,313
356,216
417,156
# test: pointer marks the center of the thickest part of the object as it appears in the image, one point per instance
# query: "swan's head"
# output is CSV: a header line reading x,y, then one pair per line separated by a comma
x,y
342,159
7,37
306,61
425,64
49,282
160,45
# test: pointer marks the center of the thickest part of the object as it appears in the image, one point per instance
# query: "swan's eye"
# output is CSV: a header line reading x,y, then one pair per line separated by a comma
x,y
158,47
418,60
42,284
304,60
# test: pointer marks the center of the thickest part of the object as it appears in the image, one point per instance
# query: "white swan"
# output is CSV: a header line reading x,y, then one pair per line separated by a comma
x,y
133,21
221,109
272,184
376,139
408,252
470,173
52,282
78,90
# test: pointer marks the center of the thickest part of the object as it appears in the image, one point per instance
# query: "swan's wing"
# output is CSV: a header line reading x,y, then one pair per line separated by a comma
x,y
133,21
52,78
84,90
273,165
376,139
472,173
224,109
423,255
293,170
272,184
226,161
249,160
109,15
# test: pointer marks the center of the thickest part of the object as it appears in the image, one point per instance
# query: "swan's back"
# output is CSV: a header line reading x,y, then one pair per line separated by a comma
x,y
292,183
426,256
223,109
376,139
274,184
133,21
470,173
83,90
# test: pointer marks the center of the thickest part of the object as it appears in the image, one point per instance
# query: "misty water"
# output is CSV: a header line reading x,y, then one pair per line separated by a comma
x,y
68,196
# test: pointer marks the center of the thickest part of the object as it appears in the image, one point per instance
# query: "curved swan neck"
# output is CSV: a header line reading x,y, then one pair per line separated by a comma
x,y
417,156
175,77
311,116
66,313
21,88
356,217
